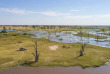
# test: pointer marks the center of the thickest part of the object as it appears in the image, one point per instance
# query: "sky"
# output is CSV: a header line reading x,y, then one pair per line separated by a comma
x,y
54,12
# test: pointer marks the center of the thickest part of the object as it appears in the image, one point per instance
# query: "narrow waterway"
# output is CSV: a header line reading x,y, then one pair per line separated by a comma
x,y
57,70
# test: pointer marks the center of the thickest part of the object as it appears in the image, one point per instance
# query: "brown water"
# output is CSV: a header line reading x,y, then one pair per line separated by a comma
x,y
57,70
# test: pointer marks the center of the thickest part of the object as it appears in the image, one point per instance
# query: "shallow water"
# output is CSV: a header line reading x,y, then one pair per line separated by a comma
x,y
8,30
69,37
57,70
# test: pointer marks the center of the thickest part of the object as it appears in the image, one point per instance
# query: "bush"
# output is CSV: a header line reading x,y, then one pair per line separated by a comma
x,y
24,33
64,46
19,42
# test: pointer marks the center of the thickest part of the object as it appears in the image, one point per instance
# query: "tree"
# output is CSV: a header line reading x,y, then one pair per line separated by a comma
x,y
4,30
103,30
82,49
109,35
97,38
49,35
34,26
36,55
84,43
81,33
88,37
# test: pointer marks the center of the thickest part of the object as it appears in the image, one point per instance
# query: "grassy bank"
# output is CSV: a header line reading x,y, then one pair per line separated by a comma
x,y
65,55
91,36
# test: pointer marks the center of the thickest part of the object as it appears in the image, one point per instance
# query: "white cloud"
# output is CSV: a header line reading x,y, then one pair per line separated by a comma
x,y
105,15
51,13
89,16
16,11
20,11
78,17
74,10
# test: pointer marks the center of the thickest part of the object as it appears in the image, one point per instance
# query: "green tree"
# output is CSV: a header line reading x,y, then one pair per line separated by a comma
x,y
4,30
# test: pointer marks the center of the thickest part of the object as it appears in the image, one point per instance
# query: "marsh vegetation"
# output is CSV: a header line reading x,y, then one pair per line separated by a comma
x,y
74,46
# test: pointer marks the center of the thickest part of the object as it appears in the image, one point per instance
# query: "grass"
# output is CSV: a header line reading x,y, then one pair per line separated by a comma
x,y
91,36
107,34
99,41
64,56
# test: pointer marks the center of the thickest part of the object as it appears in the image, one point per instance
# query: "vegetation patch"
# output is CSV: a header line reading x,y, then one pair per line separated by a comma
x,y
5,60
90,35
65,55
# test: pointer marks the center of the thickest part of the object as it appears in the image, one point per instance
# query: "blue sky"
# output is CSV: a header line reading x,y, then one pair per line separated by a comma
x,y
55,12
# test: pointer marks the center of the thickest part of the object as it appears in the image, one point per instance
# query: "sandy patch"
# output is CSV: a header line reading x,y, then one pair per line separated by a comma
x,y
53,47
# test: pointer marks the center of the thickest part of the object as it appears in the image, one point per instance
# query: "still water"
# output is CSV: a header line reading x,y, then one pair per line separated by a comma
x,y
57,70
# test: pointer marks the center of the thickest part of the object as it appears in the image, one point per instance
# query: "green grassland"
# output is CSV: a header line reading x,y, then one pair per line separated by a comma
x,y
10,42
